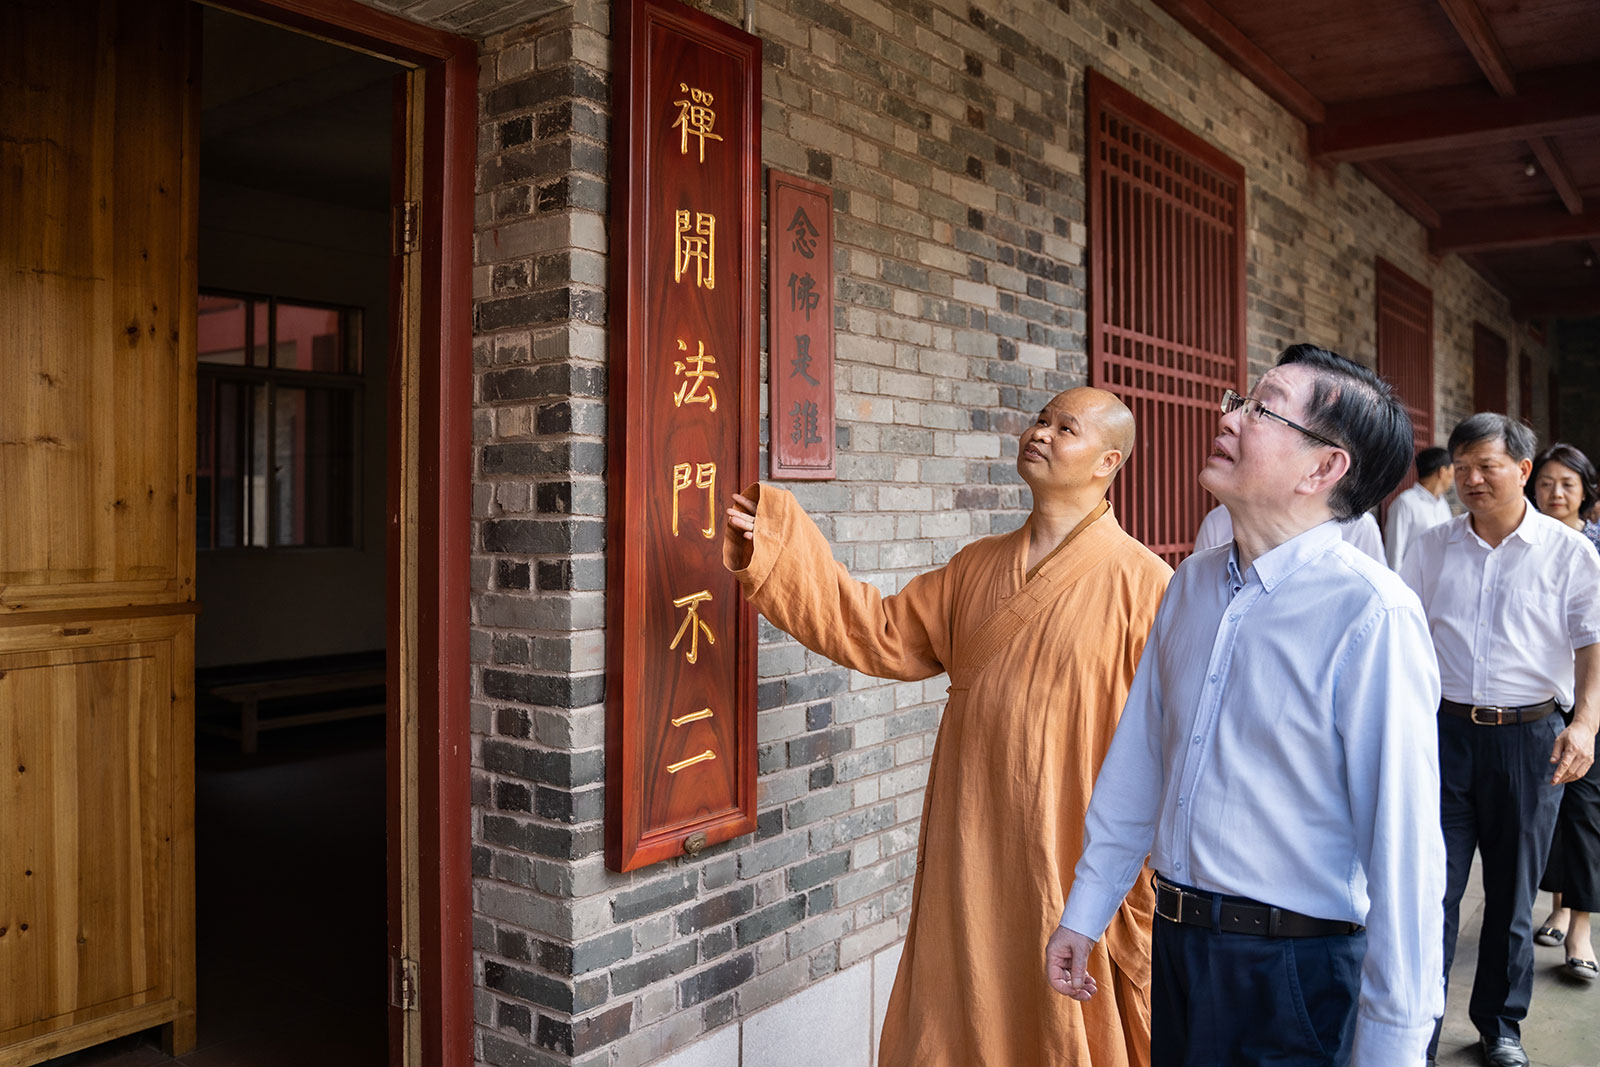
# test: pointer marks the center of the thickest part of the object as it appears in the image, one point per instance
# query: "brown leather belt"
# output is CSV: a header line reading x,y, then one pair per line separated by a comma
x,y
1239,915
1496,715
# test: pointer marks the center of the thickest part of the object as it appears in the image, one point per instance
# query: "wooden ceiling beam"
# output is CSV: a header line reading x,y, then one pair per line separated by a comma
x,y
1549,102
1478,231
1552,303
1400,191
1228,41
1476,33
1555,168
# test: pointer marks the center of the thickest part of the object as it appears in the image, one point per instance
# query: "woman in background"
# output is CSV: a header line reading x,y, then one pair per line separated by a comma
x,y
1563,486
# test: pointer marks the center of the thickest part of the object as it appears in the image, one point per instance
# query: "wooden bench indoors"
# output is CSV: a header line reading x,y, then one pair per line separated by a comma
x,y
245,688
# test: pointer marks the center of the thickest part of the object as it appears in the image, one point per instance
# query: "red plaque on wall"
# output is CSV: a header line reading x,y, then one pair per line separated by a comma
x,y
684,410
800,333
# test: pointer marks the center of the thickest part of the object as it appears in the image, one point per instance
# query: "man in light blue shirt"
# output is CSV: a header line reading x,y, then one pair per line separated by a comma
x,y
1277,758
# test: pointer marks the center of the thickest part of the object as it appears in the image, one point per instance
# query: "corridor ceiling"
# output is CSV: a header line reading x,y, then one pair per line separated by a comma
x,y
1480,117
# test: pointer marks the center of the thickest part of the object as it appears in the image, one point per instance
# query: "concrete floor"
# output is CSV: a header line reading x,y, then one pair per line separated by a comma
x,y
1563,1024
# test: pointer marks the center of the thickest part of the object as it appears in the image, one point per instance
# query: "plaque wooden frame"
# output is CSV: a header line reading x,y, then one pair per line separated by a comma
x,y
668,704
800,438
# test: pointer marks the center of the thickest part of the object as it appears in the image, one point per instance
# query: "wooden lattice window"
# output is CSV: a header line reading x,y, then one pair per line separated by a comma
x,y
1166,308
1405,350
1525,387
1489,367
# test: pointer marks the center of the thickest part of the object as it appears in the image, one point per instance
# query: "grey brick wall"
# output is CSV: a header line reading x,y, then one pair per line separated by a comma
x,y
952,135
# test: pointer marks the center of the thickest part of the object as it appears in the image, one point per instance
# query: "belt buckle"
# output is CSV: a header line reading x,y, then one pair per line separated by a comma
x,y
1178,893
1499,715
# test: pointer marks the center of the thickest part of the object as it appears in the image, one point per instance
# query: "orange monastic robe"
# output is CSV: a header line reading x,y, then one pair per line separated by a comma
x,y
1039,668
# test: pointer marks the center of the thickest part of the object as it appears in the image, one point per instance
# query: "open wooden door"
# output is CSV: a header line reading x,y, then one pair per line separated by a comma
x,y
97,292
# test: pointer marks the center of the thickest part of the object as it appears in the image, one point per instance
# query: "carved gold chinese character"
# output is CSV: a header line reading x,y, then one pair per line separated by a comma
x,y
703,476
695,119
696,243
693,368
693,623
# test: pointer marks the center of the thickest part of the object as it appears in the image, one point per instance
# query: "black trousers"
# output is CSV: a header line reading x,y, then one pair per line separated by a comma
x,y
1241,1000
1574,866
1495,797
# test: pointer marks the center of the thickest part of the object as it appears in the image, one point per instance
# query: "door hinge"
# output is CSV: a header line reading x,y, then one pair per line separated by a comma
x,y
407,214
403,983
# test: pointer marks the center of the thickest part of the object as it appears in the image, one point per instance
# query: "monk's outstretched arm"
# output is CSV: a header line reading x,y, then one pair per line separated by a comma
x,y
788,572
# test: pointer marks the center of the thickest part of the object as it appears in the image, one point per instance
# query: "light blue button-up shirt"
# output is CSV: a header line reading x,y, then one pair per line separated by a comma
x,y
1279,743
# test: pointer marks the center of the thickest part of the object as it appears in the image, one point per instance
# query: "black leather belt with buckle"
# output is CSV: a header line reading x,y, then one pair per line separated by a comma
x,y
1239,915
1496,715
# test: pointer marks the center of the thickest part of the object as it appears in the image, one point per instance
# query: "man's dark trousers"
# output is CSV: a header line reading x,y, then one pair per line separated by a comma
x,y
1495,797
1243,1000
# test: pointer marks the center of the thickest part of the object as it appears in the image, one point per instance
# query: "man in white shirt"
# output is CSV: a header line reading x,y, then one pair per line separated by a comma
x,y
1513,602
1277,758
1421,507
1217,529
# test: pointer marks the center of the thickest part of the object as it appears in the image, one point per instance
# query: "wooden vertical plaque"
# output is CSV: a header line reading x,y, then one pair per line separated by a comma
x,y
684,408
800,335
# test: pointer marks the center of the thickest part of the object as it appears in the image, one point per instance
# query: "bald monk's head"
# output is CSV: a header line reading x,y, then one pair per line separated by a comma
x,y
1077,443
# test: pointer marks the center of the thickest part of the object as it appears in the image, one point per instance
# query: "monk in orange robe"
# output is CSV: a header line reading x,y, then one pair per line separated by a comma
x,y
1040,631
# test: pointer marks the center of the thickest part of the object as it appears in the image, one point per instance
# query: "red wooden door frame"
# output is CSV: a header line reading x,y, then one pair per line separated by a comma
x,y
444,299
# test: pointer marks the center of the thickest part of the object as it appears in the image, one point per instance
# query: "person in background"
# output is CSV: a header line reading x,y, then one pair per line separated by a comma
x,y
1564,487
1513,603
1362,532
1420,507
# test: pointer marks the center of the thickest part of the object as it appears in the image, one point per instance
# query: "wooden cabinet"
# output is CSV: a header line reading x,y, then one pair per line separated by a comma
x,y
97,290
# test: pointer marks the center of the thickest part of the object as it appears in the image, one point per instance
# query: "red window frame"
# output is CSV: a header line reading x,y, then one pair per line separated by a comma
x,y
1166,302
1403,311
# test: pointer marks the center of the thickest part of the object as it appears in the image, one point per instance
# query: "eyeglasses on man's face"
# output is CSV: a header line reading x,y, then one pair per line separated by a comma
x,y
1232,401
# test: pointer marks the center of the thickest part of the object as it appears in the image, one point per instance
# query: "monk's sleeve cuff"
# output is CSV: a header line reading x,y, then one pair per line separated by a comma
x,y
771,523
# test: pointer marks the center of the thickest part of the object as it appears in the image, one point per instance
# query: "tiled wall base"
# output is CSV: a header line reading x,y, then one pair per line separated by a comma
x,y
835,1021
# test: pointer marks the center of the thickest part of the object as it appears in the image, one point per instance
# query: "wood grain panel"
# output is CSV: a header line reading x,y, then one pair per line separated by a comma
x,y
1464,179
93,308
1550,33
97,257
90,781
1353,49
680,737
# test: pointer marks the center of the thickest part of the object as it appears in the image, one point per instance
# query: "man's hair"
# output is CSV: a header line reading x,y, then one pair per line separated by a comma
x,y
1431,461
1573,460
1489,426
1352,405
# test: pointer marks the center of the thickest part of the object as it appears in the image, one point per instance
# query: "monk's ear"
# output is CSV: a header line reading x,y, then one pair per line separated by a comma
x,y
1110,460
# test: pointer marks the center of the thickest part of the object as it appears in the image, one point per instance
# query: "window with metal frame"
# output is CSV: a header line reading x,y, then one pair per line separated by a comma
x,y
1166,307
278,423
1404,317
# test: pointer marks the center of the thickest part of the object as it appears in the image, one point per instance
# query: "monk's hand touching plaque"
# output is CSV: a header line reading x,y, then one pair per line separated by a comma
x,y
742,523
1066,964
